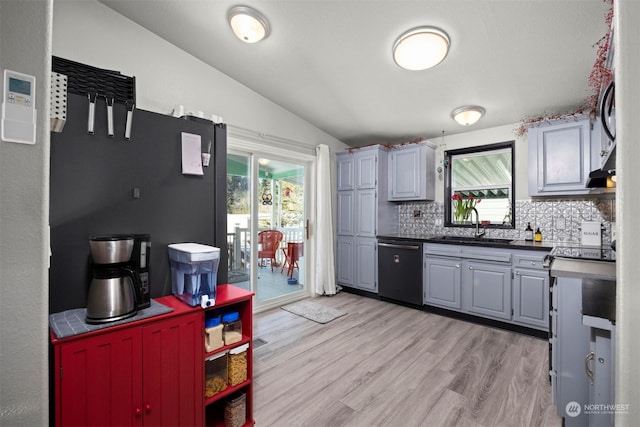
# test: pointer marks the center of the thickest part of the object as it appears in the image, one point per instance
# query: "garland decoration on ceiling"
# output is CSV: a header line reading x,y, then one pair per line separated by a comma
x,y
599,77
388,145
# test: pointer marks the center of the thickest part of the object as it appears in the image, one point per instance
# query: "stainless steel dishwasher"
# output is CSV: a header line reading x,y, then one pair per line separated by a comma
x,y
400,270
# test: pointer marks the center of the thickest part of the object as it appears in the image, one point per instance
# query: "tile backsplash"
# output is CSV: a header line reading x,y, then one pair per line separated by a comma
x,y
559,220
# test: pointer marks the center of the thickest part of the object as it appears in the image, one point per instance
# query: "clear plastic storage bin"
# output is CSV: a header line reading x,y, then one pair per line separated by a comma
x,y
237,365
235,411
215,374
213,333
194,272
232,332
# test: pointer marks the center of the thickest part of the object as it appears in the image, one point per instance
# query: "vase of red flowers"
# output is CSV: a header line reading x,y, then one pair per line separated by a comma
x,y
462,207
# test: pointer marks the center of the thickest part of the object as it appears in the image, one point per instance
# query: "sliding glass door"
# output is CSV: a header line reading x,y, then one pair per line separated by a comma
x,y
267,222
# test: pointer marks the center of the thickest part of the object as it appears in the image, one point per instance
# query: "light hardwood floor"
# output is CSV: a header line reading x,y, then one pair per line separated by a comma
x,y
387,365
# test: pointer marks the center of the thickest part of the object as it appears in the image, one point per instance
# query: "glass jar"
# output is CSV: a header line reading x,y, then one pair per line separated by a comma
x,y
232,331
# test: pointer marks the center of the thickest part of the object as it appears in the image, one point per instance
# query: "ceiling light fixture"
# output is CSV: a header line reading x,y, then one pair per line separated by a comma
x,y
421,48
248,24
467,115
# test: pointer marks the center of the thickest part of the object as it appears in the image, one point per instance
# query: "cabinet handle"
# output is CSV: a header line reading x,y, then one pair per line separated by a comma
x,y
517,273
147,408
589,372
457,265
470,268
138,412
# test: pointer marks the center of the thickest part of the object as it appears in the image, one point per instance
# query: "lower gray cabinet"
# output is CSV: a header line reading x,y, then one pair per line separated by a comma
x,y
599,366
442,282
356,262
487,289
531,298
365,262
504,284
571,347
344,256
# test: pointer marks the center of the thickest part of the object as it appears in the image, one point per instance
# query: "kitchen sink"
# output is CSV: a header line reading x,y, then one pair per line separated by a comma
x,y
465,239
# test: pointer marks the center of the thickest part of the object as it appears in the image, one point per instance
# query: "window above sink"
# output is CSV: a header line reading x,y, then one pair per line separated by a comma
x,y
483,177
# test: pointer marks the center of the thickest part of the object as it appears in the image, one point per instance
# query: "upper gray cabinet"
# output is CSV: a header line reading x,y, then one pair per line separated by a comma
x,y
346,173
561,155
412,172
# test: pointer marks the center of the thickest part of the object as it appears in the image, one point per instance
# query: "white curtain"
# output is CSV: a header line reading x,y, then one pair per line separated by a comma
x,y
325,263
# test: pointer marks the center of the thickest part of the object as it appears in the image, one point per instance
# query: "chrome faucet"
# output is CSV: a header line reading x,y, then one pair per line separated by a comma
x,y
478,232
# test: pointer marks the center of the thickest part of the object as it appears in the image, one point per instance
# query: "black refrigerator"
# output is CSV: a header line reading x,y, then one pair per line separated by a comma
x,y
110,185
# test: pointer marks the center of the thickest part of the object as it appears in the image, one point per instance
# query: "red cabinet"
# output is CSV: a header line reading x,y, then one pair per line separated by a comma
x,y
232,298
149,372
146,373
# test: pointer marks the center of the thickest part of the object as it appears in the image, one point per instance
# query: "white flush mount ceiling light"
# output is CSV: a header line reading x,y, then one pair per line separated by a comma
x,y
468,114
421,48
248,24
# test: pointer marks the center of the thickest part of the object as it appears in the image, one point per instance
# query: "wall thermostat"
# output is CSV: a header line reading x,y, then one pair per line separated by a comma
x,y
18,108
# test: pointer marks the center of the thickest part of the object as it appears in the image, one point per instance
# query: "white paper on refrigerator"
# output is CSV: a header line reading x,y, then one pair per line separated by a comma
x,y
191,154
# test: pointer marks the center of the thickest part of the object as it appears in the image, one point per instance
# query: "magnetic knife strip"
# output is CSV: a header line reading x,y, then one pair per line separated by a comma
x,y
96,83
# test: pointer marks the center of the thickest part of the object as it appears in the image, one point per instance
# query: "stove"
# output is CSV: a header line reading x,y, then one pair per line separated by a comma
x,y
594,253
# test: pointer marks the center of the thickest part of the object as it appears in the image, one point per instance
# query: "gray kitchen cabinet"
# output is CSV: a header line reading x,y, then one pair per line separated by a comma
x,y
486,289
442,280
560,157
571,345
344,260
531,298
600,369
346,173
412,172
362,215
346,216
365,262
509,285
366,172
530,290
365,222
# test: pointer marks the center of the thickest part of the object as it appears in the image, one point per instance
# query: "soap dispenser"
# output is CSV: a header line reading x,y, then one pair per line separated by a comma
x,y
538,235
528,233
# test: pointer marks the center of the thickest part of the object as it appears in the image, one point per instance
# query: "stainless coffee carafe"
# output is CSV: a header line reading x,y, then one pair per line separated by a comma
x,y
112,289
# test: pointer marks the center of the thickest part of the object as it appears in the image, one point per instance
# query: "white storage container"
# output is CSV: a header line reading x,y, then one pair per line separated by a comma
x,y
194,272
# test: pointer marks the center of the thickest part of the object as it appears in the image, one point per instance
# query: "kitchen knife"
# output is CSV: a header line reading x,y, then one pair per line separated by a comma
x,y
127,128
92,112
109,117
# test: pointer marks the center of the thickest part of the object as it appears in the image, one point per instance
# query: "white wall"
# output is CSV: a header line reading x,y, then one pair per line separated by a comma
x,y
89,32
24,218
627,63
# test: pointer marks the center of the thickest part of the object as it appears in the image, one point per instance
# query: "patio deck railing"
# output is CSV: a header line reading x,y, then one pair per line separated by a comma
x,y
238,244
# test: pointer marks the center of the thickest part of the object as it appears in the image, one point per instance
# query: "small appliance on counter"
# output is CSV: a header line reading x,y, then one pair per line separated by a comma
x,y
121,277
194,273
112,289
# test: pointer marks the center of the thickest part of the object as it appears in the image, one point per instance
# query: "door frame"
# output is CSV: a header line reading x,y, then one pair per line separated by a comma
x,y
255,145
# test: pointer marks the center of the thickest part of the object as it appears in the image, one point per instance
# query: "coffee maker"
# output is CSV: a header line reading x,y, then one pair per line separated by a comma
x,y
121,266
112,291
141,264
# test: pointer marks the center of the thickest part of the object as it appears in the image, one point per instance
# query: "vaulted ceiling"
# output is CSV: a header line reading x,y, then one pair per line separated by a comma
x,y
329,61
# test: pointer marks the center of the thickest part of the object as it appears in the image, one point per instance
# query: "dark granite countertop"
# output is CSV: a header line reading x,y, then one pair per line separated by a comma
x,y
545,246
